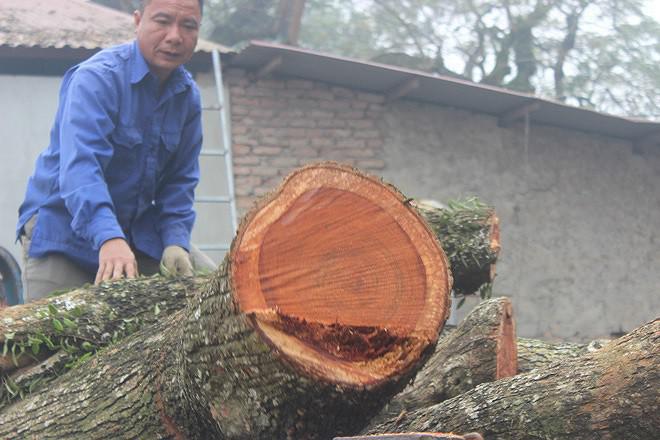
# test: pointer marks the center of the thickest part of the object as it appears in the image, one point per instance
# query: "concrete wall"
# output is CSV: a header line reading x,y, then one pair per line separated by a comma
x,y
580,213
283,123
27,110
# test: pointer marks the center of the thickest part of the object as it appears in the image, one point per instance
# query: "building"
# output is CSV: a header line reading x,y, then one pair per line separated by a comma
x,y
577,192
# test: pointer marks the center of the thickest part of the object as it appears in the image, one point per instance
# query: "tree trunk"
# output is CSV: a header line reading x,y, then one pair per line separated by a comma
x,y
533,354
415,436
610,393
469,233
106,314
481,349
333,291
82,320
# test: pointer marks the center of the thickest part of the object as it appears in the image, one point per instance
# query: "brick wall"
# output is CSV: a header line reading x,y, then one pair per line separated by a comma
x,y
279,124
579,212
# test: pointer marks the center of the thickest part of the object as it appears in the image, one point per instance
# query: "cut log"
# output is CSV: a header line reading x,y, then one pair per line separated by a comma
x,y
415,436
99,319
82,320
481,349
470,236
533,354
333,291
610,393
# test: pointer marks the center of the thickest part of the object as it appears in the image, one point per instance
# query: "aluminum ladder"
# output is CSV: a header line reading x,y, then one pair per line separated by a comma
x,y
225,151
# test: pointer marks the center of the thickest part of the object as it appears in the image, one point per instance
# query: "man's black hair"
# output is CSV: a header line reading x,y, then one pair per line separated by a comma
x,y
143,3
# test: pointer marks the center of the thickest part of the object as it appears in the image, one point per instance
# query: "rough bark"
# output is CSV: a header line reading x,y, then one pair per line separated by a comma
x,y
534,354
84,319
278,350
481,349
415,436
469,233
610,393
108,313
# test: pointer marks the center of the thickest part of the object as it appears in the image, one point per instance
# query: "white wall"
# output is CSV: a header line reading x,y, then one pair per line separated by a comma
x,y
579,213
27,110
213,225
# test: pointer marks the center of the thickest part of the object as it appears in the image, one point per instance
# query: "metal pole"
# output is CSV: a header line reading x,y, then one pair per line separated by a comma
x,y
229,168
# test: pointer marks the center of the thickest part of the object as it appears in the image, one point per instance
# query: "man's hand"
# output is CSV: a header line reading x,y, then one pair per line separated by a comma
x,y
176,262
115,260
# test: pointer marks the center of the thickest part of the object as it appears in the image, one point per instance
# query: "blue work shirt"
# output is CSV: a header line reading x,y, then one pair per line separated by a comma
x,y
123,161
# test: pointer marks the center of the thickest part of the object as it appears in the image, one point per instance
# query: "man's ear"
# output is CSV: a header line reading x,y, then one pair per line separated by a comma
x,y
137,18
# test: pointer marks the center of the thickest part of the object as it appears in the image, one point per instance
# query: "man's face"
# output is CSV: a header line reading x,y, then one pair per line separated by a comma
x,y
167,33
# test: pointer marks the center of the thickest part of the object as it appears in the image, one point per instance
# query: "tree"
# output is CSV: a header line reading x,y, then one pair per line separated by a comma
x,y
121,5
234,21
598,54
592,53
333,292
609,393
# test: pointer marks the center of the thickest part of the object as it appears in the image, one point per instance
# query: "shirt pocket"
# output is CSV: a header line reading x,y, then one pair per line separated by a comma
x,y
170,140
125,158
169,145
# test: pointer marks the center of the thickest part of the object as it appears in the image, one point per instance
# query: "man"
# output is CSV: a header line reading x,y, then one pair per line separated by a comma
x,y
112,194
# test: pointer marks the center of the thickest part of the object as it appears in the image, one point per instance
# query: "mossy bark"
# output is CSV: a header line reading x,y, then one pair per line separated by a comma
x,y
533,353
481,349
203,372
415,436
94,315
610,393
98,311
468,231
277,344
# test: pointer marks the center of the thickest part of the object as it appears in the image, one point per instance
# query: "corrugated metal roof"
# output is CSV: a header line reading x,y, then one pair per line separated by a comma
x,y
384,79
77,24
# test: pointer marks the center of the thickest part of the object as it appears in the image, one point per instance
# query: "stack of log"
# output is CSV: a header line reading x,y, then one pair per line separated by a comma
x,y
325,320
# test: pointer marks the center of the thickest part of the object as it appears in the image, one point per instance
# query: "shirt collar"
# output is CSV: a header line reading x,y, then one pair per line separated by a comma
x,y
179,80
139,66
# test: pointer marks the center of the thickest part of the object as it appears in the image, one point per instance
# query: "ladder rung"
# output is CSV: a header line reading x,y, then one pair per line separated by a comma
x,y
213,152
212,108
213,247
213,199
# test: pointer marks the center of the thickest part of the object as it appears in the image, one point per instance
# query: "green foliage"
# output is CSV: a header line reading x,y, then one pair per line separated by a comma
x,y
464,227
599,54
462,224
233,21
62,337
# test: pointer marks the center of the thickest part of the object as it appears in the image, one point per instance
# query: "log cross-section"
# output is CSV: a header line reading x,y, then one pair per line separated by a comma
x,y
611,393
294,337
481,349
343,254
470,236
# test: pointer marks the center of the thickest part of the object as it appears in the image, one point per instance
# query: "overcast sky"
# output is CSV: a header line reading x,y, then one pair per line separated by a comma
x,y
653,9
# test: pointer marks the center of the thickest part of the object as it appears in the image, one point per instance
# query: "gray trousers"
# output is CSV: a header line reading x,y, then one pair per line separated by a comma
x,y
55,272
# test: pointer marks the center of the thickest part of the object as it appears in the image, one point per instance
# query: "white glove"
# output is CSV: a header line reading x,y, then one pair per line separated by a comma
x,y
176,262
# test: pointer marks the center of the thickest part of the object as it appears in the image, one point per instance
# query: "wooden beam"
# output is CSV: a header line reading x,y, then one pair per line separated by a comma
x,y
269,67
402,89
648,140
415,436
507,118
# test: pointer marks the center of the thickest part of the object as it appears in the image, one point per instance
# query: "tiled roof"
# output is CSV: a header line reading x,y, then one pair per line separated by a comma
x,y
78,24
